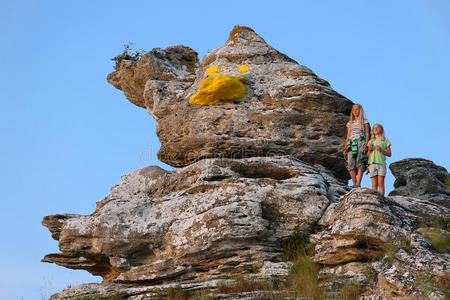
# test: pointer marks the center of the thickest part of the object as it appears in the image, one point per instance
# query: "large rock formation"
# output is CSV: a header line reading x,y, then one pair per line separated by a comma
x,y
234,202
219,218
287,109
212,218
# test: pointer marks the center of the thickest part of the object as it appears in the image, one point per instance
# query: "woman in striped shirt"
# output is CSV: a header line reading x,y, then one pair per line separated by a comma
x,y
356,144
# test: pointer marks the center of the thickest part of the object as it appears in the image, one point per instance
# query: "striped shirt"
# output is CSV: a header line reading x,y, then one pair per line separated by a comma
x,y
355,128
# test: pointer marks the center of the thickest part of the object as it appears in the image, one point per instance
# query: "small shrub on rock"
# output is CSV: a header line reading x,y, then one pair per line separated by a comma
x,y
127,54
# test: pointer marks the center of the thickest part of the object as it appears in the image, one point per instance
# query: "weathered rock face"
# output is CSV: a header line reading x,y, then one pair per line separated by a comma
x,y
403,272
366,233
357,228
219,218
234,201
421,178
287,109
215,217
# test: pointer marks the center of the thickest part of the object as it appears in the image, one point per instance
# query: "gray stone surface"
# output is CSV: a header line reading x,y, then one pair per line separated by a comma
x,y
421,178
220,218
212,218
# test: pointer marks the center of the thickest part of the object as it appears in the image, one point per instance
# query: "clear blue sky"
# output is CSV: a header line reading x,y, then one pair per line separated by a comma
x,y
67,135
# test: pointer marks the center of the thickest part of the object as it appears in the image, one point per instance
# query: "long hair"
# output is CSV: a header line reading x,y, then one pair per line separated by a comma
x,y
382,137
360,118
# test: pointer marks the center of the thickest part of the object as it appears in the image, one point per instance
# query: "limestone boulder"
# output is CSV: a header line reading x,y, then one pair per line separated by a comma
x,y
376,241
356,228
362,223
285,109
421,178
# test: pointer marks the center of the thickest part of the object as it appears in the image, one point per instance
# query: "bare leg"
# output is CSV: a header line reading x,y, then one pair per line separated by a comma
x,y
374,183
380,180
353,176
360,175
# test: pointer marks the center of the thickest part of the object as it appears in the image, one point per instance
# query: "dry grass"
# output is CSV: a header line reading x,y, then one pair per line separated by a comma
x,y
439,238
436,230
443,283
426,283
388,252
174,293
242,284
203,294
351,291
97,296
303,277
297,244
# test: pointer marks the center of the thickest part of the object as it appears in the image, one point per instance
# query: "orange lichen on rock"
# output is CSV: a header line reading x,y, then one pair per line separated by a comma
x,y
220,87
236,30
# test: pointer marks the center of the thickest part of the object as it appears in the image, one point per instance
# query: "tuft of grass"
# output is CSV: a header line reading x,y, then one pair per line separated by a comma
x,y
443,282
273,289
127,54
370,274
203,294
159,294
303,277
243,284
173,293
439,238
90,297
388,252
351,291
297,244
442,223
405,243
116,296
177,293
447,181
426,283
303,274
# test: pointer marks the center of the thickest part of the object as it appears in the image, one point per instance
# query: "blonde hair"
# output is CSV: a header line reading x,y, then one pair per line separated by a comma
x,y
381,134
361,116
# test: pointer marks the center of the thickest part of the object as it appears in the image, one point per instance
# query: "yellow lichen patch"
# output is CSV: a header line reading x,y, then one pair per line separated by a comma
x,y
212,70
243,68
216,88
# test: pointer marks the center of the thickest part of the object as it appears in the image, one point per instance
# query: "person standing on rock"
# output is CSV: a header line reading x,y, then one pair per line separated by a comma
x,y
379,148
356,144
